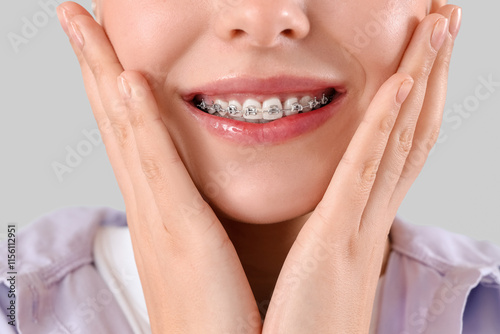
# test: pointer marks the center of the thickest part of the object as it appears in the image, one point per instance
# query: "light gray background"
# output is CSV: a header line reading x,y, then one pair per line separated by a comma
x,y
45,109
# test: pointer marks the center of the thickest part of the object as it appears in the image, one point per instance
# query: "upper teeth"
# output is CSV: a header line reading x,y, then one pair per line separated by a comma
x,y
271,109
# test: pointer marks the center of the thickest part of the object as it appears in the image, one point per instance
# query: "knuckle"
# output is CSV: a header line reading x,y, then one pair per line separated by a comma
x,y
433,137
122,133
423,70
104,126
97,69
364,173
392,175
428,142
405,141
137,120
368,173
151,169
386,125
414,162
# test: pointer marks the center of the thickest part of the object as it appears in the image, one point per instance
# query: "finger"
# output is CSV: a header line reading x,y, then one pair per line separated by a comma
x,y
98,54
418,59
431,116
178,200
100,58
65,12
421,53
96,57
100,69
349,189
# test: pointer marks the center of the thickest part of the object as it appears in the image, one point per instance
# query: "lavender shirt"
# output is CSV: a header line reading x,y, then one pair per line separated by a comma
x,y
436,282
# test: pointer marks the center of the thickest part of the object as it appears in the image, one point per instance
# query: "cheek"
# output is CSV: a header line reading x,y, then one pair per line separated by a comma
x,y
371,34
379,38
146,34
375,35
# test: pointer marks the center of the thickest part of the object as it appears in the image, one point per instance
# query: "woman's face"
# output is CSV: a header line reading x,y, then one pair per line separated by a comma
x,y
259,50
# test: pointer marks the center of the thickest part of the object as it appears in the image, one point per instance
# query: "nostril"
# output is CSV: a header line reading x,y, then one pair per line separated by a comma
x,y
263,23
237,33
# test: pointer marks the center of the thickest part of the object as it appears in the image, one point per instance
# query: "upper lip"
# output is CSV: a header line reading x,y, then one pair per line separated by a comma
x,y
262,86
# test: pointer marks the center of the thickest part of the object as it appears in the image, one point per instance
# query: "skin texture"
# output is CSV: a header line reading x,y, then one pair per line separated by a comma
x,y
223,253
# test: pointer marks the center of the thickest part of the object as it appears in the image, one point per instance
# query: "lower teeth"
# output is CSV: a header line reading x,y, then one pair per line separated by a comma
x,y
254,115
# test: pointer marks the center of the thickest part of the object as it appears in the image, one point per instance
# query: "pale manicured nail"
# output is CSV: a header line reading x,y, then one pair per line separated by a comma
x,y
64,20
404,91
439,33
455,21
76,34
124,87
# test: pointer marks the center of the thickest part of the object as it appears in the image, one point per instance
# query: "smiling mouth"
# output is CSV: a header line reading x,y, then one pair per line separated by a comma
x,y
264,109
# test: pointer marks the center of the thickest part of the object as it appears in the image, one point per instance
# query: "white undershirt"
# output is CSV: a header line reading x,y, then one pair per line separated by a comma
x,y
114,260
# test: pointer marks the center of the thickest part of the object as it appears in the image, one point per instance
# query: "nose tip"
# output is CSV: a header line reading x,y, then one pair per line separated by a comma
x,y
263,23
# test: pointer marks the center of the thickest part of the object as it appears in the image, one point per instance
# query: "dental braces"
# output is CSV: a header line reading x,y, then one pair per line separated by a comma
x,y
273,112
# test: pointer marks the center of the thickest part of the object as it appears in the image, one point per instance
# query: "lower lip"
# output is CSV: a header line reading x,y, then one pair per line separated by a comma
x,y
275,132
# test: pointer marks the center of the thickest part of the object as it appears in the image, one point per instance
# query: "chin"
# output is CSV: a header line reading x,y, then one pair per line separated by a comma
x,y
266,202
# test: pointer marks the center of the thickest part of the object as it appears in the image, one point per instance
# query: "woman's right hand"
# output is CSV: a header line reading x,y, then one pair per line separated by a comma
x,y
190,273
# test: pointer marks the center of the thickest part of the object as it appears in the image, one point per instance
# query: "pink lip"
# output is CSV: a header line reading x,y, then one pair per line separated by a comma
x,y
274,132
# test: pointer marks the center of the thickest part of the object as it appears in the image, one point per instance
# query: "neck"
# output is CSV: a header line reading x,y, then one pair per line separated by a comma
x,y
262,249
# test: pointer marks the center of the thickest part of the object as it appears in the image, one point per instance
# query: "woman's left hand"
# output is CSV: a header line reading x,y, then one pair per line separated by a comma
x,y
329,278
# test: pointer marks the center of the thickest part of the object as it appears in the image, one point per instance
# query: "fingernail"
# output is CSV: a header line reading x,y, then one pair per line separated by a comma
x,y
76,34
64,20
439,33
455,21
404,91
124,86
